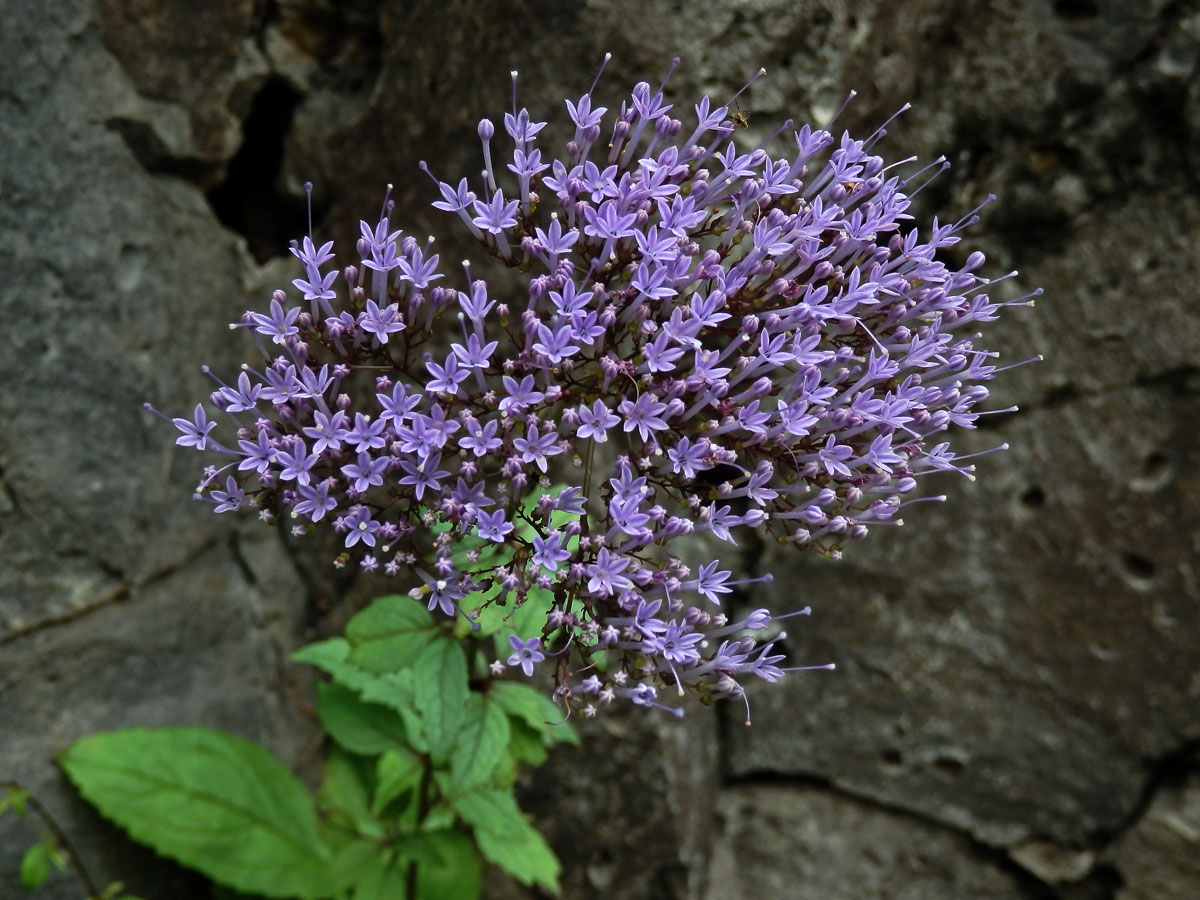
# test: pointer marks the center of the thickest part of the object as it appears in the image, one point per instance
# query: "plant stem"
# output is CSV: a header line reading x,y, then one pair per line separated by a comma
x,y
422,811
60,836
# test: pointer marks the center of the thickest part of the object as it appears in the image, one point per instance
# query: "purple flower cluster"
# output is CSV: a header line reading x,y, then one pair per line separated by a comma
x,y
762,341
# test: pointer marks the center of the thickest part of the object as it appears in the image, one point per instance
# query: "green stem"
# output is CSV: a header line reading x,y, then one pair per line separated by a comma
x,y
60,836
587,482
422,811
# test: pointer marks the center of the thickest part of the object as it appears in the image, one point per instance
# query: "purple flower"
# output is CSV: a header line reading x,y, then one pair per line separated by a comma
x,y
229,499
297,463
526,653
492,527
424,475
315,501
315,287
381,322
243,398
328,432
549,552
360,526
595,422
519,395
497,215
474,355
643,415
447,377
555,343
259,454
771,313
536,448
366,435
279,325
480,440
312,257
196,430
710,582
367,471
604,575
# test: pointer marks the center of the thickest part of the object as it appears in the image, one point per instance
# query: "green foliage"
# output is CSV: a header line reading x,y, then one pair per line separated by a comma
x,y
214,802
37,862
507,839
479,746
416,791
389,632
440,692
533,708
116,891
448,867
355,724
16,799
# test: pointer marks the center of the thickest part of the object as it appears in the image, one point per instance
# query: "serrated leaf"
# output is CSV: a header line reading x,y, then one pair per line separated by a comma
x,y
480,745
397,771
453,871
507,839
533,708
359,726
350,860
331,656
212,801
345,794
525,745
395,690
35,866
389,634
382,878
440,692
440,816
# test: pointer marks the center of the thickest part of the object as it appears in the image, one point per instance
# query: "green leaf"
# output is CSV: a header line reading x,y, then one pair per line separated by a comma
x,y
507,839
395,689
351,859
345,794
389,634
331,656
359,726
15,798
35,866
212,801
525,621
533,708
382,878
452,870
440,692
440,816
397,771
480,746
526,745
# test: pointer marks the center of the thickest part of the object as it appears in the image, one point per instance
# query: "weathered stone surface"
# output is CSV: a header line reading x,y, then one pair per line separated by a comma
x,y
201,644
1158,856
781,841
201,58
119,289
1012,664
630,811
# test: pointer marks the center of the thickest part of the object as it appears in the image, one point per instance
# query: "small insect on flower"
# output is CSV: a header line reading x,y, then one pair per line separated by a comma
x,y
739,117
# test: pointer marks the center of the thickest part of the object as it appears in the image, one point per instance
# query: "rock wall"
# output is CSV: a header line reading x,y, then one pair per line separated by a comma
x,y
1015,712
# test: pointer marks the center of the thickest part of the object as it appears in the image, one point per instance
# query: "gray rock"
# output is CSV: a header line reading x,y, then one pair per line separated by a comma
x,y
804,842
1157,856
203,643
